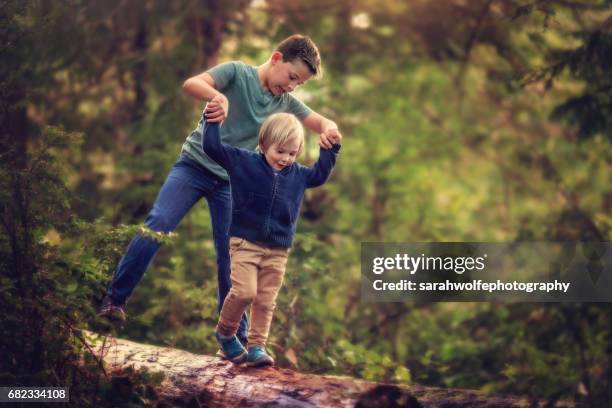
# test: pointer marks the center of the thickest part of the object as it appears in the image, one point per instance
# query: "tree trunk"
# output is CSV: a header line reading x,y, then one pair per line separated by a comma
x,y
200,380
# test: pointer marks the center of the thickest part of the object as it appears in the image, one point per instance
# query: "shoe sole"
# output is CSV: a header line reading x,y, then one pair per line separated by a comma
x,y
261,363
239,359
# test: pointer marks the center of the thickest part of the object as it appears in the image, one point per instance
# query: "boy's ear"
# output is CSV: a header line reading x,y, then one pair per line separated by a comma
x,y
276,57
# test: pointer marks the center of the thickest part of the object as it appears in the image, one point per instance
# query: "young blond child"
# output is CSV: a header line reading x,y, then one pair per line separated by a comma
x,y
267,190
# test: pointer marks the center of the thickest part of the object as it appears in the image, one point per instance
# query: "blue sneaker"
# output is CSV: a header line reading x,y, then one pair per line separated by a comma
x,y
242,340
257,357
233,350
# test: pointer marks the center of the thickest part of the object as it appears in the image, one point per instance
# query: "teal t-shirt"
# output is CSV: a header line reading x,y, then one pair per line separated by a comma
x,y
249,105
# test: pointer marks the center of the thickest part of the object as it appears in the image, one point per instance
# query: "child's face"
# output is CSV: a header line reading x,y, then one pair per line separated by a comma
x,y
279,157
284,77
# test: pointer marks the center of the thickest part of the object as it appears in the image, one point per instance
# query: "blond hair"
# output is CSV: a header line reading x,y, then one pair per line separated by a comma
x,y
280,128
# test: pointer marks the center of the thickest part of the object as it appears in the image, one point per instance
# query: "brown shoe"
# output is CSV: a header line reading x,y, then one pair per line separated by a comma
x,y
111,310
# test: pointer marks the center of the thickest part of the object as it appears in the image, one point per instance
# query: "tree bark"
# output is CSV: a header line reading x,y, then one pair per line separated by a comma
x,y
200,380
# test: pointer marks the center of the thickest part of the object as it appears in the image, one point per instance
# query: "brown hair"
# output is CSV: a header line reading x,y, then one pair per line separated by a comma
x,y
302,47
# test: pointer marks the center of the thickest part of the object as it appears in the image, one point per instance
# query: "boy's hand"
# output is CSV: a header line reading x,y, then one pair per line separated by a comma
x,y
216,109
330,137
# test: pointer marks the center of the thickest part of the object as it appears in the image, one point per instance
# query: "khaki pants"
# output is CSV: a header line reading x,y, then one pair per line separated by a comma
x,y
257,275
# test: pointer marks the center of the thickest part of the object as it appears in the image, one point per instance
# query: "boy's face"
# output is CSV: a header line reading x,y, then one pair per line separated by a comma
x,y
279,157
284,77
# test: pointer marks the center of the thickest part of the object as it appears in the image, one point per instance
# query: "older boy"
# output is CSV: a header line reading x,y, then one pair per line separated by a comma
x,y
253,93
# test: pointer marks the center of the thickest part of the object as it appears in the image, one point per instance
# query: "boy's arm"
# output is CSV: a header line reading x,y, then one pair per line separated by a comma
x,y
212,146
327,129
203,87
319,173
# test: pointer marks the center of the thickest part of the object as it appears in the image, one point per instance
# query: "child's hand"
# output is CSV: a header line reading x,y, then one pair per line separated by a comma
x,y
216,109
330,137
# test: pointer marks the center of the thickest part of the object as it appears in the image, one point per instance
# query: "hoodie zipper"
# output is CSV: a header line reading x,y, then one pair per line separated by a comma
x,y
271,204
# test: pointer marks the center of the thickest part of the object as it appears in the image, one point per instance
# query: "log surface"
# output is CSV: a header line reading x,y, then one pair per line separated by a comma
x,y
201,380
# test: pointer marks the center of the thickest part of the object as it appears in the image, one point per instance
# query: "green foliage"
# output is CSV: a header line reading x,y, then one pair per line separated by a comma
x,y
47,291
589,62
45,296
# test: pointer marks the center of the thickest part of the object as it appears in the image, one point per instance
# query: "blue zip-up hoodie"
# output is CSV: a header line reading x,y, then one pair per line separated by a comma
x,y
265,203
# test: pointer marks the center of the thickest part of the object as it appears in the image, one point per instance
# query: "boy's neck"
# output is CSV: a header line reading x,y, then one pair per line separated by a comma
x,y
262,73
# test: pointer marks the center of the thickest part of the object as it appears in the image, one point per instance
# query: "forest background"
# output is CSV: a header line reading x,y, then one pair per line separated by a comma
x,y
483,120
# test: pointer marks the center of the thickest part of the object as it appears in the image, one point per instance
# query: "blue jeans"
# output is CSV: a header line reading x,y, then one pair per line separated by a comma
x,y
186,184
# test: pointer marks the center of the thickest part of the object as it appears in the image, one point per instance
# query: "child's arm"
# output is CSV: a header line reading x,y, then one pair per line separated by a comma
x,y
319,173
223,154
203,87
327,129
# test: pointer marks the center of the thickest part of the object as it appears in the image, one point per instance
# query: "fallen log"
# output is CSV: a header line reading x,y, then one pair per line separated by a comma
x,y
192,380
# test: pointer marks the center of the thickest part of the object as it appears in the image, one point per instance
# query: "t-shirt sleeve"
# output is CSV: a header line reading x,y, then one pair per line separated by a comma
x,y
297,107
224,74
